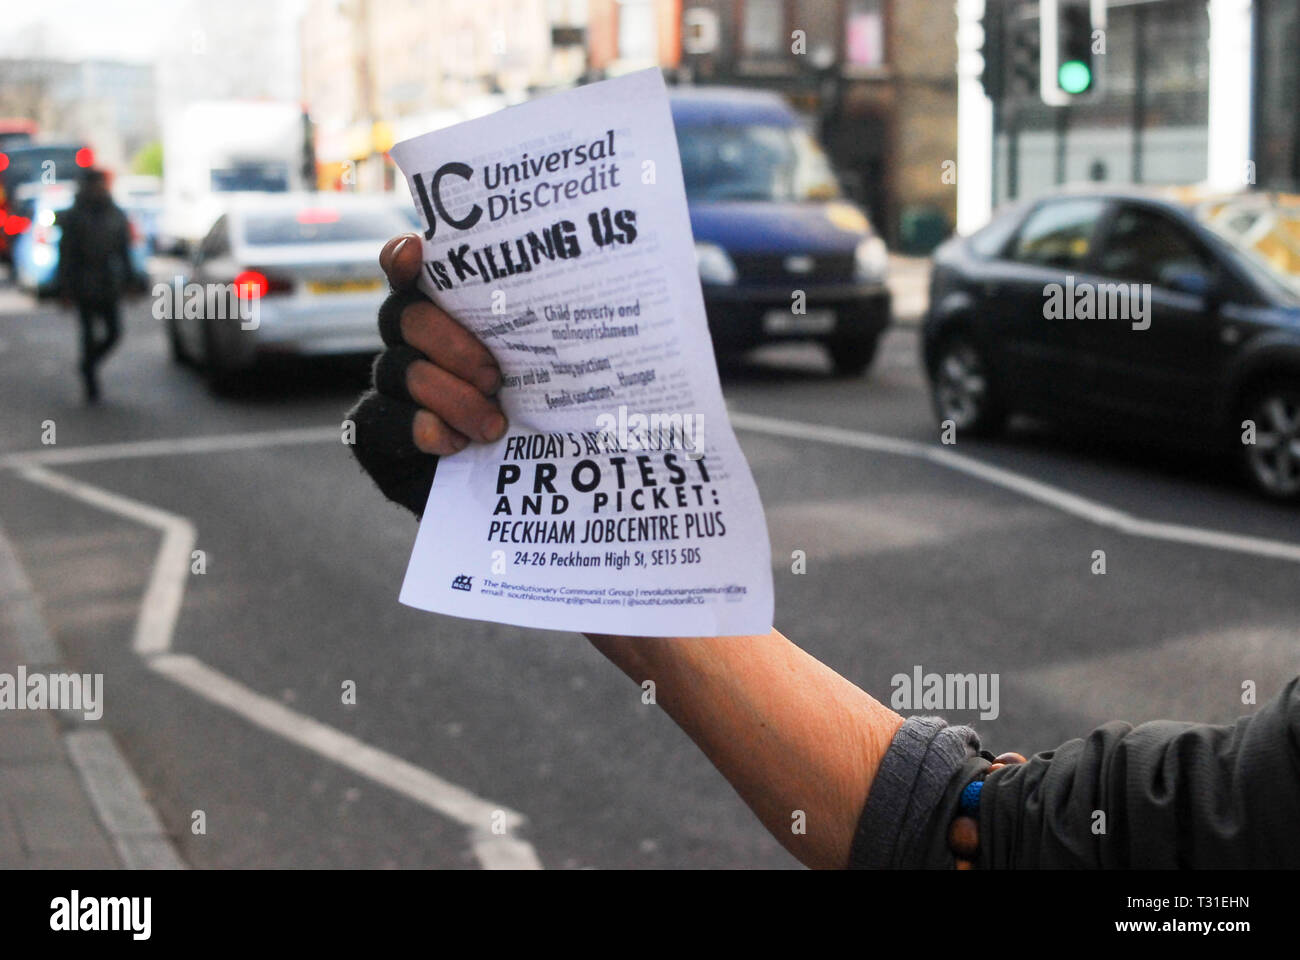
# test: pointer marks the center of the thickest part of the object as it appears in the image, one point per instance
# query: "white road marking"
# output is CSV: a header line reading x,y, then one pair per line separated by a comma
x,y
219,443
1044,493
156,624
400,776
161,604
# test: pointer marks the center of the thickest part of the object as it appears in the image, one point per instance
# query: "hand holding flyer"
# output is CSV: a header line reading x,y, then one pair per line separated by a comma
x,y
619,500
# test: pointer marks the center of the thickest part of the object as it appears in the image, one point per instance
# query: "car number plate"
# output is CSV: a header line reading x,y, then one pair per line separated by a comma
x,y
342,286
786,321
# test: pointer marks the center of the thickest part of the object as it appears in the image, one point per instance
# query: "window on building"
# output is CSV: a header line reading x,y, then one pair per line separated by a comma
x,y
638,35
1277,90
864,33
763,28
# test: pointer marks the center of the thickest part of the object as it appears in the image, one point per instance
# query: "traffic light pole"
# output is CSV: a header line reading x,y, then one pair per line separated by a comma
x,y
1062,128
1139,90
974,123
1013,154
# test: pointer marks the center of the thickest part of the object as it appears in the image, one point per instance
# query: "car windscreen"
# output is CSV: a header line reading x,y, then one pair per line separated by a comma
x,y
1232,231
738,162
324,225
31,165
258,177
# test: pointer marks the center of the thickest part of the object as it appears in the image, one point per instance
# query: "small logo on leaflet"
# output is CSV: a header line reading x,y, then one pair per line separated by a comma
x,y
463,582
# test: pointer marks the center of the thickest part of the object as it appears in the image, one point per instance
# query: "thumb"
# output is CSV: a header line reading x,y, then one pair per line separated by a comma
x,y
400,259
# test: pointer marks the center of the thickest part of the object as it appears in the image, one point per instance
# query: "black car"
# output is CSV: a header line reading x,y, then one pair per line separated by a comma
x,y
782,254
1122,310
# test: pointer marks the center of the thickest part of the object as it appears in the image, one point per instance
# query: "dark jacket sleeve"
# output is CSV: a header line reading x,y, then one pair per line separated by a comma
x,y
69,254
1160,795
129,279
904,824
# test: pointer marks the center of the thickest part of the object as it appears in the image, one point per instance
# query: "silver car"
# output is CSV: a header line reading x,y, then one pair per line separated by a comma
x,y
288,273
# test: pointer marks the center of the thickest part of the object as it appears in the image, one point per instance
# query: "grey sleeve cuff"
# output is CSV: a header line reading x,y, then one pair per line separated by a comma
x,y
913,781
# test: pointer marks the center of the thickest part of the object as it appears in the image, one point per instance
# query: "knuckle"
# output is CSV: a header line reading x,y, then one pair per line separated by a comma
x,y
422,382
414,322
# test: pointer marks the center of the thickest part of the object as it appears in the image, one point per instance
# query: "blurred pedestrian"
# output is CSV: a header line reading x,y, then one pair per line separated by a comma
x,y
95,271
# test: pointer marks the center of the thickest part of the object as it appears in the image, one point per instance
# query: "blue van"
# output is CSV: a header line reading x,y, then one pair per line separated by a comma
x,y
782,254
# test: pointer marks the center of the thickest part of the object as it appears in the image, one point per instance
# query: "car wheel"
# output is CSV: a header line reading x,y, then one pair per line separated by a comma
x,y
1272,462
176,346
963,391
851,358
222,376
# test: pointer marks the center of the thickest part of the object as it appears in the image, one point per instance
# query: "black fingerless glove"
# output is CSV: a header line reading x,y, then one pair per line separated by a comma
x,y
384,415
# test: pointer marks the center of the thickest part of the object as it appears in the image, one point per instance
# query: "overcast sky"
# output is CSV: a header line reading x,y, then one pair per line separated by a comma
x,y
85,29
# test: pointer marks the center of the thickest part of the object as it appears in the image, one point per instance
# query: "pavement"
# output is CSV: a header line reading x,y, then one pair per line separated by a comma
x,y
909,282
222,687
67,798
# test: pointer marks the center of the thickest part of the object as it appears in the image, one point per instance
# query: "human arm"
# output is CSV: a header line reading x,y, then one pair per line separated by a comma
x,y
790,734
796,740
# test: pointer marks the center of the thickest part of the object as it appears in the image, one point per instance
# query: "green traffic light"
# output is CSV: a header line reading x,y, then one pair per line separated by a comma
x,y
1074,76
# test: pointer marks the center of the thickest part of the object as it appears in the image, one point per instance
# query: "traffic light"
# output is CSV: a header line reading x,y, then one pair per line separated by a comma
x,y
994,71
1024,53
1070,71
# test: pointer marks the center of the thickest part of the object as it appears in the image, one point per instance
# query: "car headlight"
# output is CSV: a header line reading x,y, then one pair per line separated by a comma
x,y
715,265
870,260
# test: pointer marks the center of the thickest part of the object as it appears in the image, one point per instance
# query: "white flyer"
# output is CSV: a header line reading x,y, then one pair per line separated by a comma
x,y
619,500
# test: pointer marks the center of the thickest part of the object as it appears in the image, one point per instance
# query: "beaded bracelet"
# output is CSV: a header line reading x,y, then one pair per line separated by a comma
x,y
964,833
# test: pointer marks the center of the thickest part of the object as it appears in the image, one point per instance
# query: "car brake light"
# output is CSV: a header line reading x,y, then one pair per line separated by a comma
x,y
4,162
85,157
15,224
318,215
251,285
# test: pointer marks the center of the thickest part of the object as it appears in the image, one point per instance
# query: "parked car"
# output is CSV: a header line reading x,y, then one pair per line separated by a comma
x,y
46,164
140,197
1190,335
782,254
308,260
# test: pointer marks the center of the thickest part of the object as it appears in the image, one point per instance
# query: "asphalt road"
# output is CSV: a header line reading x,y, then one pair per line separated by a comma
x,y
912,561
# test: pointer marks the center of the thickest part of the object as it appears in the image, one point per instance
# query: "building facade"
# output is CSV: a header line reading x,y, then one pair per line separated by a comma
x,y
106,104
877,78
1191,92
378,71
